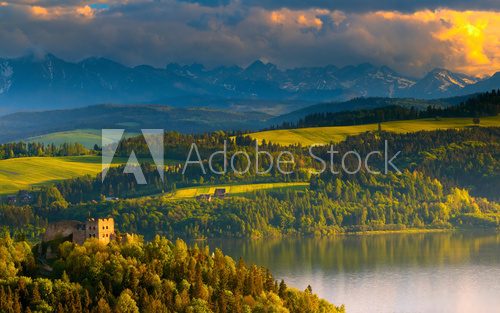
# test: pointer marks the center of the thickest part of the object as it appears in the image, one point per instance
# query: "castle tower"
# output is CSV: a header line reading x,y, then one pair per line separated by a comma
x,y
100,228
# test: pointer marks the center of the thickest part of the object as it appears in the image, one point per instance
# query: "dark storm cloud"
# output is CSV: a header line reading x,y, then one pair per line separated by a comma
x,y
364,5
209,3
213,21
227,32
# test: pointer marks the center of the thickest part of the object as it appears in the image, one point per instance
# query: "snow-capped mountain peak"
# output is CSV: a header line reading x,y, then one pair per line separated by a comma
x,y
442,82
37,81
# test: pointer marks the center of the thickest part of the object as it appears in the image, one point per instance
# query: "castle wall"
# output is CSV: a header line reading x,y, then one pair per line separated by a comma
x,y
103,229
79,235
60,229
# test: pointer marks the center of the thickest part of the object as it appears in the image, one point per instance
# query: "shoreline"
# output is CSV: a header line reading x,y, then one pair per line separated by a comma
x,y
402,231
347,234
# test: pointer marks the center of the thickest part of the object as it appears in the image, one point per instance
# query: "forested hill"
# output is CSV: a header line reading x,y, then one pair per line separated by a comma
x,y
485,104
29,125
449,179
357,104
22,125
133,276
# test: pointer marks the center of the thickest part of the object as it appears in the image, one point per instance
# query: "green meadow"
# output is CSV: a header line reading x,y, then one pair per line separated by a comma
x,y
87,137
234,190
31,172
24,173
325,135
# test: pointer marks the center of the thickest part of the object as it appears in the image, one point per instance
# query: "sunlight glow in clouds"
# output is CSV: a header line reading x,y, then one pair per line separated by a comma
x,y
239,32
58,12
85,11
304,18
39,11
473,36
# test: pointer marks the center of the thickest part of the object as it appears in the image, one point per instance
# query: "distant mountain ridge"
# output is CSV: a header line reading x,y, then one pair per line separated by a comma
x,y
48,82
363,104
133,118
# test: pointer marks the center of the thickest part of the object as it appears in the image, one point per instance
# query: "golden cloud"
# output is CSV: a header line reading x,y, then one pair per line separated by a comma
x,y
473,36
311,21
297,19
277,18
39,11
85,11
467,41
55,12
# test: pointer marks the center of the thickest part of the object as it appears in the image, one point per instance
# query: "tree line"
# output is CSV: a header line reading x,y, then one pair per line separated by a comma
x,y
35,149
130,276
484,104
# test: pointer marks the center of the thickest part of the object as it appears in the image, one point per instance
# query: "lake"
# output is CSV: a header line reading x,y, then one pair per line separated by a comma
x,y
401,273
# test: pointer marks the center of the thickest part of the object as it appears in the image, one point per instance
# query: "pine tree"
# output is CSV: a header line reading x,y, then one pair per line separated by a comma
x,y
282,288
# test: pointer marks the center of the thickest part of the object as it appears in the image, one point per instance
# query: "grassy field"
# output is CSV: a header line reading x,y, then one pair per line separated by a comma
x,y
23,173
235,190
87,137
324,135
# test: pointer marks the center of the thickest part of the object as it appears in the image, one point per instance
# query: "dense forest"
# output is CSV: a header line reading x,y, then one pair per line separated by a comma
x,y
389,202
331,206
130,275
449,179
34,149
466,158
484,104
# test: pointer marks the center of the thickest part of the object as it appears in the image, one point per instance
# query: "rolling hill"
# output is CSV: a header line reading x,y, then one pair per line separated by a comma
x,y
324,135
87,137
84,124
191,192
25,173
363,104
31,172
24,125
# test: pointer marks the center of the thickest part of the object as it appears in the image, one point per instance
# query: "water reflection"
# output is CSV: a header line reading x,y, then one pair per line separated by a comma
x,y
428,272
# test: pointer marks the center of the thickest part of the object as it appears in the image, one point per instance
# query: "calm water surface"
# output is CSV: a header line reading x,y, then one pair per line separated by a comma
x,y
417,273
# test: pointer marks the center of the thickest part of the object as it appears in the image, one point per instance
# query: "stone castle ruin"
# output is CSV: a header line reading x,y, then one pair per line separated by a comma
x,y
102,229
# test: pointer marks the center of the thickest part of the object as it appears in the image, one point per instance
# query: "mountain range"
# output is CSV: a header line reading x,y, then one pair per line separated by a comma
x,y
48,82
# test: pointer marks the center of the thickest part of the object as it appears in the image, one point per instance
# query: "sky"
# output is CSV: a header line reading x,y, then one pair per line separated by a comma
x,y
410,36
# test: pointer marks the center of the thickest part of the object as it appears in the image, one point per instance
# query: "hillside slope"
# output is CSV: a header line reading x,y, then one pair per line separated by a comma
x,y
361,104
19,126
324,135
24,173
